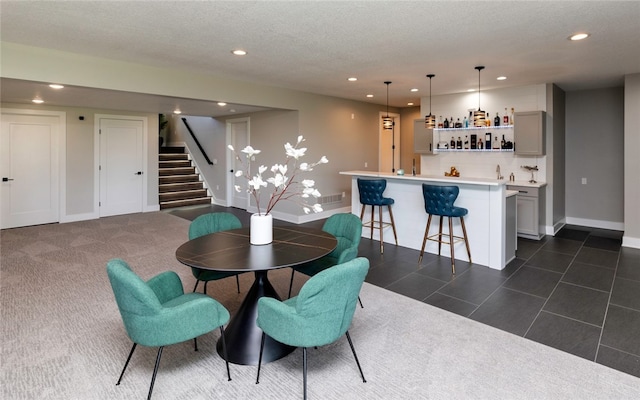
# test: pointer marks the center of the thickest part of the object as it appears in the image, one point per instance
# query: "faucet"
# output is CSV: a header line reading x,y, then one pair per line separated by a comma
x,y
498,172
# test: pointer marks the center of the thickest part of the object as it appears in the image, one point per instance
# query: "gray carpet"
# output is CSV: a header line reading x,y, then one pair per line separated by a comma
x,y
62,337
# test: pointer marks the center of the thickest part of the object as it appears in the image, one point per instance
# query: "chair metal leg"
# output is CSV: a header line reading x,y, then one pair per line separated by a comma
x,y
304,372
393,224
426,235
126,363
155,371
440,236
205,286
196,286
466,240
372,219
260,357
355,356
381,230
451,246
195,344
293,271
224,352
238,283
360,301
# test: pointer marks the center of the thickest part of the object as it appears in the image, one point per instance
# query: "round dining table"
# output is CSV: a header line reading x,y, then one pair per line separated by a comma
x,y
231,251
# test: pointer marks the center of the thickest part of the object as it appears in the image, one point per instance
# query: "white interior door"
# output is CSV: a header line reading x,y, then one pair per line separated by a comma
x,y
239,139
30,169
388,156
121,166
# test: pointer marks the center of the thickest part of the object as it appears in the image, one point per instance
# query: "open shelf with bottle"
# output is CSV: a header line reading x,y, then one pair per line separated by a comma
x,y
470,139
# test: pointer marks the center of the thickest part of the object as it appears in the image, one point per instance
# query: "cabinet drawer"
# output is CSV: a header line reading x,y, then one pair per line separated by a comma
x,y
525,191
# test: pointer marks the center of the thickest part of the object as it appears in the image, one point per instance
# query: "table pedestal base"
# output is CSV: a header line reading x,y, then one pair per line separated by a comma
x,y
243,336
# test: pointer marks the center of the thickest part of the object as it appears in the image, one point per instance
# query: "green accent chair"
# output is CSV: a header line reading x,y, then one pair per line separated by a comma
x,y
319,315
347,228
204,225
158,312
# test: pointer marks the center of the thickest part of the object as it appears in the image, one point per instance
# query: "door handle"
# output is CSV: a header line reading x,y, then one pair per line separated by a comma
x,y
138,173
231,171
5,179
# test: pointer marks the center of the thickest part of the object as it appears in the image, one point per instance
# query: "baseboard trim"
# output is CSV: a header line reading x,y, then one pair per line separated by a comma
x,y
595,223
632,242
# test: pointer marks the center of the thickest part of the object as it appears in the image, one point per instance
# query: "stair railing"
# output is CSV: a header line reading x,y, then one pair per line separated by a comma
x,y
204,153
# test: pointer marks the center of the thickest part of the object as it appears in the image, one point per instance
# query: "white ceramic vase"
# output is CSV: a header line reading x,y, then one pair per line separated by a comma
x,y
261,229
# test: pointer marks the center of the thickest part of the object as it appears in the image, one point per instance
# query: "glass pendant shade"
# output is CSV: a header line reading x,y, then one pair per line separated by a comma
x,y
430,121
479,118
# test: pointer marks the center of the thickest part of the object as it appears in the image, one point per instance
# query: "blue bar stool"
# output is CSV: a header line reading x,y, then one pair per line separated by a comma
x,y
438,200
371,191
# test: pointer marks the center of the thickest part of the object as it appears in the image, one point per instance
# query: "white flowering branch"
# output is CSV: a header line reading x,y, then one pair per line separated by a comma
x,y
285,187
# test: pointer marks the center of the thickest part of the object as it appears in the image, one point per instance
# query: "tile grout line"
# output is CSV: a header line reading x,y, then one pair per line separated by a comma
x,y
606,311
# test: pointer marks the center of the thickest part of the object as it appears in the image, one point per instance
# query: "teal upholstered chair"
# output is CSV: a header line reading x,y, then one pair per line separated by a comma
x,y
347,228
319,315
158,313
204,225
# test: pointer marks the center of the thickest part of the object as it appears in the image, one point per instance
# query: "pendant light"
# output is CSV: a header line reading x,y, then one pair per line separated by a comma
x,y
478,116
387,121
430,120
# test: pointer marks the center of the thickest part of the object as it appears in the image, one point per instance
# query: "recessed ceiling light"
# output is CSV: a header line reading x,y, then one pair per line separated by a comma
x,y
414,90
239,52
177,111
232,110
38,101
222,103
501,78
352,79
471,90
579,36
369,95
56,86
409,104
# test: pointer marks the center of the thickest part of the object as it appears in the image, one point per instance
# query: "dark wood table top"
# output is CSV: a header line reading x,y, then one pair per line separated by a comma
x,y
230,251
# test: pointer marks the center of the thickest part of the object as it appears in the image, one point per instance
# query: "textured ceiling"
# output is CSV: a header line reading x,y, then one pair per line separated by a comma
x,y
314,46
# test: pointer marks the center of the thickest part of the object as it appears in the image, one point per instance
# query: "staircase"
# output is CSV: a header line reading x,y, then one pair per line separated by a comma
x,y
179,184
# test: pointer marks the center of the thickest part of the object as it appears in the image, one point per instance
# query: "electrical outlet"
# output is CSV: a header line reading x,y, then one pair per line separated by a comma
x,y
344,194
366,164
584,181
217,187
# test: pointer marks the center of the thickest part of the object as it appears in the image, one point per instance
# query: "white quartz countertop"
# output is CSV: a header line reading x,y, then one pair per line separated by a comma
x,y
443,179
509,193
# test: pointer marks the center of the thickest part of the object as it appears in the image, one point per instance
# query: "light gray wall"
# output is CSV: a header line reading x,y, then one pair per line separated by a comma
x,y
631,236
557,136
595,151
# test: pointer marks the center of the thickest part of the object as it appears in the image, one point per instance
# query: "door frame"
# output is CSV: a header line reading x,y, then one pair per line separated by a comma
x,y
60,150
230,159
96,157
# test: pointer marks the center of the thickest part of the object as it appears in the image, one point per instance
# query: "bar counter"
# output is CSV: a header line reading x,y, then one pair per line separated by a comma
x,y
486,221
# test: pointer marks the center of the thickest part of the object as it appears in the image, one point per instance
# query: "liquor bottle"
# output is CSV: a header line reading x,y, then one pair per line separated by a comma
x,y
496,120
503,143
440,124
496,144
480,145
505,117
465,122
487,122
446,123
487,141
452,144
458,123
466,142
459,143
511,120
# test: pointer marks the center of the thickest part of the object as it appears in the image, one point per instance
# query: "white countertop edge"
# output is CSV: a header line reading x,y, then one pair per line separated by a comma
x,y
445,179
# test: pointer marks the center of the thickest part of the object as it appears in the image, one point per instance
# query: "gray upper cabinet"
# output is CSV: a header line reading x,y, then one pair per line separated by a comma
x,y
422,138
529,133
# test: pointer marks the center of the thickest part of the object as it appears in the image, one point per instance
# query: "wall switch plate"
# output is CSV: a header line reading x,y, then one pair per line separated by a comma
x,y
365,165
584,181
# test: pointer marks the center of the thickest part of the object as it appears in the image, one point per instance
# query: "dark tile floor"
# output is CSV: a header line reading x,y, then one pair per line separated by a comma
x,y
578,291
